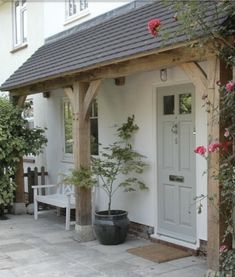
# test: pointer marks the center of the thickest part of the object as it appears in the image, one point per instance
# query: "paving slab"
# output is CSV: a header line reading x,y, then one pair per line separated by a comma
x,y
44,249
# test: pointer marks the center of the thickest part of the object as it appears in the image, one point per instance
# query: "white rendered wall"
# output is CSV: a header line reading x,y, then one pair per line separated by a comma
x,y
138,96
115,104
55,16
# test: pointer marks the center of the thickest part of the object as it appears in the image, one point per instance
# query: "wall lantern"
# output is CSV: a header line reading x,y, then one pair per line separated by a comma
x,y
163,74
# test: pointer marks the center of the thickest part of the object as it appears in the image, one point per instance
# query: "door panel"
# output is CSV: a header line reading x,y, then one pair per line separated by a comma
x,y
185,146
168,150
176,162
169,213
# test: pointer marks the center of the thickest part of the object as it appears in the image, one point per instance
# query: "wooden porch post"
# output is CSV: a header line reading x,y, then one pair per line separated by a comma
x,y
81,97
19,203
216,225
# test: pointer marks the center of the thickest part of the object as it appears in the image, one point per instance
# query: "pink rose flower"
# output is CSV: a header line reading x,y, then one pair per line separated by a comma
x,y
200,150
230,86
153,26
213,147
223,248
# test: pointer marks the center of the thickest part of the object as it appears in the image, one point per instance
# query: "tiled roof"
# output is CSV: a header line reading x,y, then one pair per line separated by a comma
x,y
120,37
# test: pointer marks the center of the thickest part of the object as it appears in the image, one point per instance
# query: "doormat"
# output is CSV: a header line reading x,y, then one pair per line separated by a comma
x,y
159,253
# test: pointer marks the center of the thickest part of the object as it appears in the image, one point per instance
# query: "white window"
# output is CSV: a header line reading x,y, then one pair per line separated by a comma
x,y
68,128
19,22
75,7
94,128
28,112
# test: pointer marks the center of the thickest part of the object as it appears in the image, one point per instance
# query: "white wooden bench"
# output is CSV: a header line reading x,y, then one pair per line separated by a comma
x,y
63,198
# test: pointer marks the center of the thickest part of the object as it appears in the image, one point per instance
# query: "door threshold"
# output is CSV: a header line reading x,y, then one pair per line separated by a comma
x,y
175,243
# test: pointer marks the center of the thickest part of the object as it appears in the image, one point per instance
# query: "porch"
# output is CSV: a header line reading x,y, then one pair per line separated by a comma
x,y
81,76
44,248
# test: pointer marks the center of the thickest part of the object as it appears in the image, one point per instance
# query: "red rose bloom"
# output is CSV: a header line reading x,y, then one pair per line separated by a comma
x,y
200,150
153,26
230,86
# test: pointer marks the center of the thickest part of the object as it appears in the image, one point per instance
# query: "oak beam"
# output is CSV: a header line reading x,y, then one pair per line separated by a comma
x,y
196,75
114,70
81,138
216,221
90,95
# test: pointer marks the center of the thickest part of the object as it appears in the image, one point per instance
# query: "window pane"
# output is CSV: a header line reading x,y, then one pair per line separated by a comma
x,y
83,4
94,128
185,103
68,128
17,22
168,104
72,7
24,25
94,136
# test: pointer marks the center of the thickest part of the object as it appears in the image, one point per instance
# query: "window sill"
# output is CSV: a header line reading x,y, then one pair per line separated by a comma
x,y
67,159
29,160
76,17
19,47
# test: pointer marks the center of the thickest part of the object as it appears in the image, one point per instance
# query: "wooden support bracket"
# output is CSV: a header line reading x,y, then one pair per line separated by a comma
x,y
196,75
90,95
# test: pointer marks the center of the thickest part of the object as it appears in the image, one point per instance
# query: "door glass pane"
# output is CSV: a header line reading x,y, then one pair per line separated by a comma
x,y
185,103
168,104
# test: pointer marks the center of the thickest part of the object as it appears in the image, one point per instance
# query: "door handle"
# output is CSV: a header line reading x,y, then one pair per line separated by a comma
x,y
174,129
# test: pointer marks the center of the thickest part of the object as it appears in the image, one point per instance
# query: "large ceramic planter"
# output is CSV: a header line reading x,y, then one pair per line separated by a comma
x,y
111,229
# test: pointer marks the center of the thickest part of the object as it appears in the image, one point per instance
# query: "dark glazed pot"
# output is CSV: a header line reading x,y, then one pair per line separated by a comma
x,y
111,229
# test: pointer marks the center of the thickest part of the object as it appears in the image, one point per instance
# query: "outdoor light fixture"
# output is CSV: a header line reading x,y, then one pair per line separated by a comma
x,y
163,74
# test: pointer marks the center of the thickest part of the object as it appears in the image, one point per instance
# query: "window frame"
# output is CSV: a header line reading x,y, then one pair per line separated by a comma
x,y
66,155
19,20
78,13
69,157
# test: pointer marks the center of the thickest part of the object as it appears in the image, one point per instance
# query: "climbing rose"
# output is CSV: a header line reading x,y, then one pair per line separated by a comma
x,y
200,150
213,146
223,248
230,86
153,26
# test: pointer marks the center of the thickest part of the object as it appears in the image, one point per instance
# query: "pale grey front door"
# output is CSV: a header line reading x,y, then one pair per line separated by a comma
x,y
176,162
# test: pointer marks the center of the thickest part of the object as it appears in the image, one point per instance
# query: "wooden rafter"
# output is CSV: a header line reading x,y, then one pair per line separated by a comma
x,y
118,69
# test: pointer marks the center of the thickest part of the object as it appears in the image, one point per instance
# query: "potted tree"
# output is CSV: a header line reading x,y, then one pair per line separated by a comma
x,y
112,171
116,168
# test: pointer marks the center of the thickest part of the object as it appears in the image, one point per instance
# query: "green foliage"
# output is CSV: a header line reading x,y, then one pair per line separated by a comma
x,y
79,177
16,140
119,159
227,264
205,22
7,188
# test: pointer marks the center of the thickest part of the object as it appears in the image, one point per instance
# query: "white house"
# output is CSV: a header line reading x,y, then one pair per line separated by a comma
x,y
25,25
157,80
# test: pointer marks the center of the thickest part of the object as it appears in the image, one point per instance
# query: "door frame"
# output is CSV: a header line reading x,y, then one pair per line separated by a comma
x,y
155,138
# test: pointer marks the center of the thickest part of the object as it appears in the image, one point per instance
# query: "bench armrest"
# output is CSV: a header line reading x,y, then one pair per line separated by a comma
x,y
44,186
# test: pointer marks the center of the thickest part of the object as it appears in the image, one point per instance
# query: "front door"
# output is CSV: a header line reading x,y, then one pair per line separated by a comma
x,y
176,163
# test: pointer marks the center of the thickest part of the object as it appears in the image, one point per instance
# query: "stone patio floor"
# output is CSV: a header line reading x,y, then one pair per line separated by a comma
x,y
43,248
